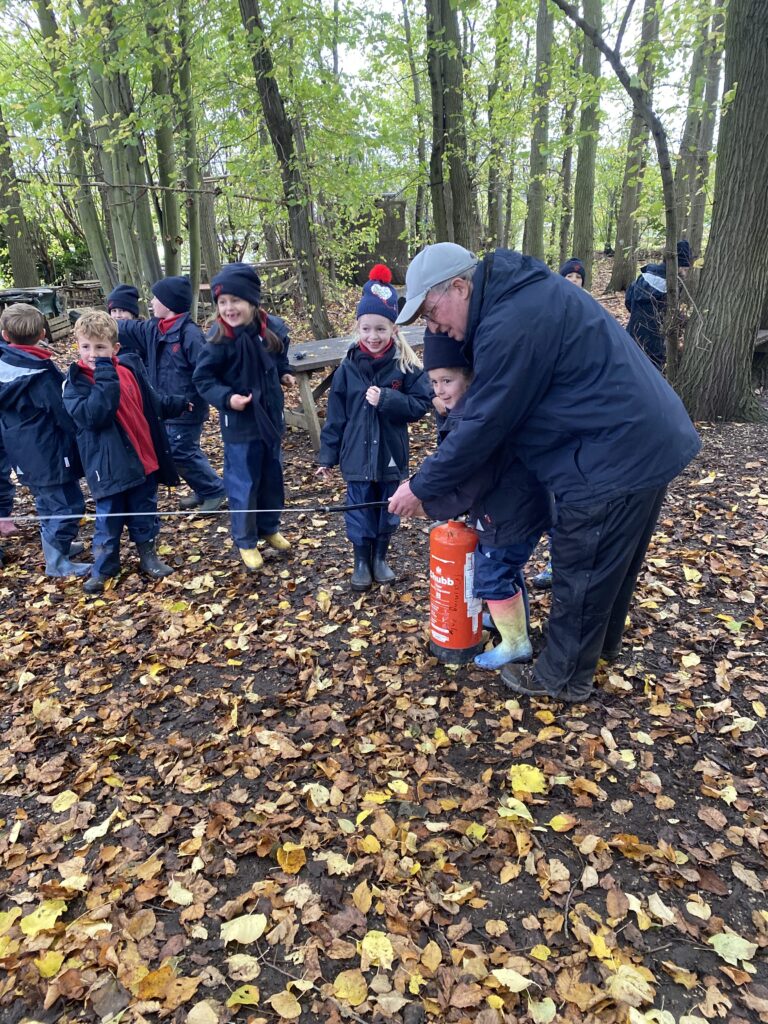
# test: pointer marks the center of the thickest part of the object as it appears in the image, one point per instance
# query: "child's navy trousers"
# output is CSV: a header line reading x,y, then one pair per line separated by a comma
x,y
253,479
364,525
135,509
191,462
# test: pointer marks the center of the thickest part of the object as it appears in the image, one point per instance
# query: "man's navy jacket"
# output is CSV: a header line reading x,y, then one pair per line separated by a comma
x,y
559,378
39,434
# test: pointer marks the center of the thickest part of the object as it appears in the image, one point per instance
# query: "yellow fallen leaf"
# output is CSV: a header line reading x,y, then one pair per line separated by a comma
x,y
727,945
63,801
43,918
514,808
286,1004
398,786
541,952
246,995
562,822
377,949
99,831
543,1012
362,897
511,980
49,963
369,844
244,929
690,660
431,956
477,831
495,1002
242,967
179,895
291,857
351,986
8,918
628,985
527,778
202,1012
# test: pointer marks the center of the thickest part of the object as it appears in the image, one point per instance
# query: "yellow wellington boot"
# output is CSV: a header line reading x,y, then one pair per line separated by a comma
x,y
251,557
277,541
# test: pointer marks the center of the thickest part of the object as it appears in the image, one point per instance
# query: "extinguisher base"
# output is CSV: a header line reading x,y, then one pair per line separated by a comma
x,y
455,657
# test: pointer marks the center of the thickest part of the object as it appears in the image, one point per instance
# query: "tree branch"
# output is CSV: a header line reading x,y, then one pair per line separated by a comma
x,y
623,27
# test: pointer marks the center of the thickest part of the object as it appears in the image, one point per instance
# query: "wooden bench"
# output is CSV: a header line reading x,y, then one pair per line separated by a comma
x,y
323,357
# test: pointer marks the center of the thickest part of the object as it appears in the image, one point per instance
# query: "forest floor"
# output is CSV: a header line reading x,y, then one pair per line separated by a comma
x,y
257,798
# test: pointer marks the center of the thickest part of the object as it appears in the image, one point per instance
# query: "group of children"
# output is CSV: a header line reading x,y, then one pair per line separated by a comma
x,y
129,413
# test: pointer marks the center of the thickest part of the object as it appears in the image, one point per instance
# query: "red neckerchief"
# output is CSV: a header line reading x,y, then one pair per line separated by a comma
x,y
377,355
165,325
130,414
32,350
224,327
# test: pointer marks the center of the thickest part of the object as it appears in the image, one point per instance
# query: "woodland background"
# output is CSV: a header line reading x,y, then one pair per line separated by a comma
x,y
139,138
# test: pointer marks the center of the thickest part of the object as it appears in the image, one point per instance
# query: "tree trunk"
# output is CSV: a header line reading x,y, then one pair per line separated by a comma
x,y
69,114
533,240
295,188
20,251
625,258
191,159
420,210
449,138
714,55
715,376
209,238
589,125
166,155
685,169
566,176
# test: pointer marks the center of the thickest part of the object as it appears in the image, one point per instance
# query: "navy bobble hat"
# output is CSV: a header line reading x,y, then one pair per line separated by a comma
x,y
574,266
240,280
684,254
174,292
379,296
441,352
126,297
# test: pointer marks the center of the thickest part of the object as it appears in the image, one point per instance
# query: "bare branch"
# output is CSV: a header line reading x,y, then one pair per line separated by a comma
x,y
623,27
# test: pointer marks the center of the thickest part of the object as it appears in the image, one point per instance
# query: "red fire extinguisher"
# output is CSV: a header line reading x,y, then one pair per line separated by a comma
x,y
455,616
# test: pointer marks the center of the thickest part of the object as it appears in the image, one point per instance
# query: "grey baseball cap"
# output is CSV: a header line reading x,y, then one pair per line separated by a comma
x,y
434,264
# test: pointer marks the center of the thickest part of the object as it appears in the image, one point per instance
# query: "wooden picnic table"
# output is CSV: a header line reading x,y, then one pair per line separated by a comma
x,y
323,357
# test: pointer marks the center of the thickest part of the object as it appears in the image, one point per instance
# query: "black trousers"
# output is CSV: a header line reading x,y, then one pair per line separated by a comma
x,y
597,554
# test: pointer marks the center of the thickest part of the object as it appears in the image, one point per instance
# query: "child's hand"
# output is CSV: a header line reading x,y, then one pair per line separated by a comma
x,y
373,395
190,406
324,472
288,380
239,402
439,405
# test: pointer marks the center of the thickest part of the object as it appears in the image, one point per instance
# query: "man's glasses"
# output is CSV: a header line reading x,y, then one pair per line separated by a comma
x,y
428,316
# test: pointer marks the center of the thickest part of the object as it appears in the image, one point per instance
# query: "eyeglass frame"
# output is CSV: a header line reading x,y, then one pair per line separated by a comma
x,y
428,317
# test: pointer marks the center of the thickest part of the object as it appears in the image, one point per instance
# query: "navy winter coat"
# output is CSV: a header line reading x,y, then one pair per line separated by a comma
x,y
111,462
504,502
557,376
242,366
646,300
280,328
371,442
39,434
170,359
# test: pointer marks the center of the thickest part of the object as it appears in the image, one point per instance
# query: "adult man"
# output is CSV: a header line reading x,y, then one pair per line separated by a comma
x,y
559,378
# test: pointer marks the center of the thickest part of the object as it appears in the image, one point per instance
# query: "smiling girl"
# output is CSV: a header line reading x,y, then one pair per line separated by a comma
x,y
377,391
237,371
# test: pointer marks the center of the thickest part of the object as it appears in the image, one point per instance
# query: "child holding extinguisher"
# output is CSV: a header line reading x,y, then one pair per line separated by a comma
x,y
504,503
377,391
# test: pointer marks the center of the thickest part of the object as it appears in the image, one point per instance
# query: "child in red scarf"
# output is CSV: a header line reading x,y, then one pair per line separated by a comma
x,y
122,444
377,391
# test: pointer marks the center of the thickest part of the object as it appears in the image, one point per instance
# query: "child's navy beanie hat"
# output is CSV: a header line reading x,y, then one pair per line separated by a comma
x,y
174,292
240,280
441,352
379,296
126,297
573,266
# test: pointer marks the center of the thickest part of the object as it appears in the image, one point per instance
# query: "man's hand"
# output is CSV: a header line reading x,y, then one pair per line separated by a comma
x,y
405,503
239,402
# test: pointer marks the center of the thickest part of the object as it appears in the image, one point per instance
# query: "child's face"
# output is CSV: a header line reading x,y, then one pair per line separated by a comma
x,y
160,310
234,311
91,349
574,278
449,385
375,331
122,314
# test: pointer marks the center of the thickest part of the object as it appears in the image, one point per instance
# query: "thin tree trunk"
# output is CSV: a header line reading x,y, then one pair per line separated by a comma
x,y
295,188
69,114
420,210
589,125
714,57
715,376
17,233
209,238
533,241
566,176
166,154
685,169
625,258
191,159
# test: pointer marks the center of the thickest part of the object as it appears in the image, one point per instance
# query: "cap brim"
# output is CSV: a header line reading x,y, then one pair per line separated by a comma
x,y
410,310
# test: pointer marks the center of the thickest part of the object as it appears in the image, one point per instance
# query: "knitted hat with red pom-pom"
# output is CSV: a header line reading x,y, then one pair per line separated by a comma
x,y
379,296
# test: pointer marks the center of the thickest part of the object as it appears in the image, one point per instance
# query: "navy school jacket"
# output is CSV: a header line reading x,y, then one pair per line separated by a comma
x,y
111,462
371,442
169,359
39,434
279,327
559,378
504,502
646,300
240,366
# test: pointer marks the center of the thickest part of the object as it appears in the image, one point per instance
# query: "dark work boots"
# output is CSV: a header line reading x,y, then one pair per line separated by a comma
x,y
381,571
150,564
361,577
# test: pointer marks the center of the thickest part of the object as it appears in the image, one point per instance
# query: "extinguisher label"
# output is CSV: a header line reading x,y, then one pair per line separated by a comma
x,y
474,605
